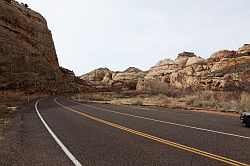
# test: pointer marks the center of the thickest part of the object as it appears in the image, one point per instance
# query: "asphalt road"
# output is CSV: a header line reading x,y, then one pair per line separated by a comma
x,y
62,132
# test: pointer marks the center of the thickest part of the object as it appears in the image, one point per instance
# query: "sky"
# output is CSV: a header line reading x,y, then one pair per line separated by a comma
x,y
118,34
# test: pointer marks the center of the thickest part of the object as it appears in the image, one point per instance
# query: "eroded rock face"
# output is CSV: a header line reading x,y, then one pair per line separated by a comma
x,y
96,75
224,70
103,79
217,56
194,60
244,49
162,68
28,58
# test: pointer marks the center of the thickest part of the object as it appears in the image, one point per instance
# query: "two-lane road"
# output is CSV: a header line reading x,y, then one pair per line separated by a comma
x,y
63,132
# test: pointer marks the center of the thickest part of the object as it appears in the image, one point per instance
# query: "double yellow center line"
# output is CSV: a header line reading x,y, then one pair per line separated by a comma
x,y
164,141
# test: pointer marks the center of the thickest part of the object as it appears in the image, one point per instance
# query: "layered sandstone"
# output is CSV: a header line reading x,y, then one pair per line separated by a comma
x,y
224,70
103,79
245,49
28,57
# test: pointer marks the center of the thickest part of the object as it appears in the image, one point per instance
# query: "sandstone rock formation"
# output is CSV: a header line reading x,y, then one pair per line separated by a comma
x,y
182,58
162,68
224,70
217,56
96,75
28,58
244,49
103,79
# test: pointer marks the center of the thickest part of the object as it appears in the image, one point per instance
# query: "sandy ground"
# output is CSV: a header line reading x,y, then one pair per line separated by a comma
x,y
10,103
6,114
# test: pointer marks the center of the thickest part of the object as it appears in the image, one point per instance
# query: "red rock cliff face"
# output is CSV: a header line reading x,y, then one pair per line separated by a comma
x,y
28,59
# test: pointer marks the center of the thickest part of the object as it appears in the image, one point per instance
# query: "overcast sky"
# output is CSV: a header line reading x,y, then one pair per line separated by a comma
x,y
89,34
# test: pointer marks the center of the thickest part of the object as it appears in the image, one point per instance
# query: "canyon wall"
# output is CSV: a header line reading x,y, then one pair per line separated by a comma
x,y
28,59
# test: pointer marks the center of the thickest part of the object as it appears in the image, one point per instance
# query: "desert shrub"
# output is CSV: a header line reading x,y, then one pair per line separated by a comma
x,y
190,99
93,97
227,96
157,87
227,101
128,94
244,102
210,103
162,100
206,95
137,101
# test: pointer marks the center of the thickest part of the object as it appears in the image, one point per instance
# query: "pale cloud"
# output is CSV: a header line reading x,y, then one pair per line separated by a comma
x,y
122,33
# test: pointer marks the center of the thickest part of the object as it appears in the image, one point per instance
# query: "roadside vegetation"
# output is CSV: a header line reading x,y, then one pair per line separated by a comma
x,y
234,102
10,102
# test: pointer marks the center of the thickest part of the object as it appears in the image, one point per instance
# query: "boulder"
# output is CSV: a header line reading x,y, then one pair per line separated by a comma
x,y
183,57
194,60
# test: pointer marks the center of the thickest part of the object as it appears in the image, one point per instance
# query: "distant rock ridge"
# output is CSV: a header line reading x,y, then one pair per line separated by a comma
x,y
28,57
103,79
133,69
223,70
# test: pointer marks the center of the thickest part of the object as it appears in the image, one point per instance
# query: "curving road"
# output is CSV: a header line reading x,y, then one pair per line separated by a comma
x,y
58,131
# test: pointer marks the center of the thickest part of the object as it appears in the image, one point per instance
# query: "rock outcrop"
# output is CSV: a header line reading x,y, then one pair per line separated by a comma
x,y
224,70
245,49
103,79
28,57
162,68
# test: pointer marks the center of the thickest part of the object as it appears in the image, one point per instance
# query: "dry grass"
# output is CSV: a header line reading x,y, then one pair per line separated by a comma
x,y
243,104
125,98
137,101
94,97
10,99
157,100
204,100
226,101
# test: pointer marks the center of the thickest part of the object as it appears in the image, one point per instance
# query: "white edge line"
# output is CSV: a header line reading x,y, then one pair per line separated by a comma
x,y
176,124
66,151
141,108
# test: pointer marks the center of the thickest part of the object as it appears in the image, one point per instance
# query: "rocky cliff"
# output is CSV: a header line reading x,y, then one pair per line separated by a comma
x,y
28,57
103,79
224,70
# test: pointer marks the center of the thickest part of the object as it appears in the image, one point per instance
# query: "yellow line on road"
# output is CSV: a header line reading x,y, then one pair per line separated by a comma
x,y
164,141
